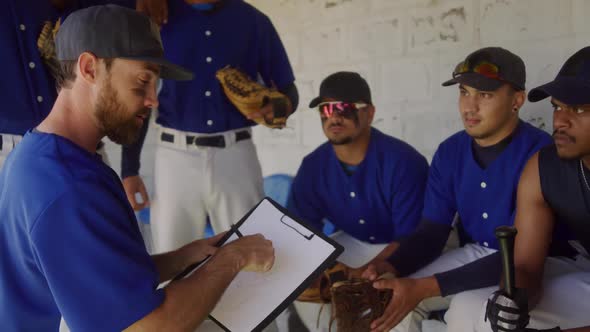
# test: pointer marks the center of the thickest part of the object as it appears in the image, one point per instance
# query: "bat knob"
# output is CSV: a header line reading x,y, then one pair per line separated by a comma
x,y
506,232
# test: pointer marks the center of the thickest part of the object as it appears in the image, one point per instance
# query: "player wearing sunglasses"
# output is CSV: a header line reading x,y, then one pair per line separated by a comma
x,y
368,184
473,176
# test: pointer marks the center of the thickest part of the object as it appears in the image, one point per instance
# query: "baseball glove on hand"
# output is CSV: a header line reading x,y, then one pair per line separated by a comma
x,y
319,291
356,303
46,46
249,96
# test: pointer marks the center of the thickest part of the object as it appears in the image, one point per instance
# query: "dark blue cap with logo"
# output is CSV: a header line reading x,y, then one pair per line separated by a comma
x,y
113,31
344,86
572,84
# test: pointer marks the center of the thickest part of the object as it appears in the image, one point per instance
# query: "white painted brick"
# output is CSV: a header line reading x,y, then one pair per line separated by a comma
x,y
379,5
311,125
539,114
277,160
323,45
388,117
542,62
337,10
292,44
290,135
581,41
381,38
425,125
581,23
407,79
445,25
505,20
113,152
289,10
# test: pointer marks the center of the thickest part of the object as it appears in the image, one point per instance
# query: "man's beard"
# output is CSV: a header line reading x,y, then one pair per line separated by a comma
x,y
114,118
341,141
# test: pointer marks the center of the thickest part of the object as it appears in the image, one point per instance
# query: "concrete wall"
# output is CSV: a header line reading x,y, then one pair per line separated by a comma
x,y
405,49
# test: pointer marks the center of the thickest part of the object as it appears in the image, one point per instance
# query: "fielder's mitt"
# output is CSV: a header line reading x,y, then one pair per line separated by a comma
x,y
46,46
249,96
319,291
356,303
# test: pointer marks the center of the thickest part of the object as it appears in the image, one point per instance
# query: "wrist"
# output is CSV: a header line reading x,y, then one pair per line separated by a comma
x,y
234,258
428,286
126,175
183,258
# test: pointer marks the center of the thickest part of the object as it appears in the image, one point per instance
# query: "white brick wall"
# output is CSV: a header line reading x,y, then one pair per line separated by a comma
x,y
405,49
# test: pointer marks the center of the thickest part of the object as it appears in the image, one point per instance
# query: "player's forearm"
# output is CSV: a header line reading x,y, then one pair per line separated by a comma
x,y
429,287
170,264
420,248
532,282
387,251
190,300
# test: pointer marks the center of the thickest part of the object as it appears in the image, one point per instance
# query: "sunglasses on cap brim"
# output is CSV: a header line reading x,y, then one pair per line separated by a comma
x,y
484,68
345,110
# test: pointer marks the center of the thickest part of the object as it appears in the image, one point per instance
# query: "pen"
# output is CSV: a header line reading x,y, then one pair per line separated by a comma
x,y
234,227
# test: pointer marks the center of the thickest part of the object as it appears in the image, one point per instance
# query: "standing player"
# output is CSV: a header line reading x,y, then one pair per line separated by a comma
x,y
554,189
206,163
473,174
28,90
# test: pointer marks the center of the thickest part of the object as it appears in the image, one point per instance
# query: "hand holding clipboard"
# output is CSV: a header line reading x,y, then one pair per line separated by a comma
x,y
253,300
257,251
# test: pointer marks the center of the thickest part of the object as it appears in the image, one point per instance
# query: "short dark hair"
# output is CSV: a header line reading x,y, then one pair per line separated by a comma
x,y
66,74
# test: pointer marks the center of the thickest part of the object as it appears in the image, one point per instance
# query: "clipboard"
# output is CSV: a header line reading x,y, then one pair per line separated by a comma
x,y
253,300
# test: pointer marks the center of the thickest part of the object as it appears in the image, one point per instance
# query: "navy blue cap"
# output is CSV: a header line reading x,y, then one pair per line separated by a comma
x,y
113,31
572,84
344,86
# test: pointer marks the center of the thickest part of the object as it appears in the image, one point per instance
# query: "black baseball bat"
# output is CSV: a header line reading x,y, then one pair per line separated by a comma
x,y
505,236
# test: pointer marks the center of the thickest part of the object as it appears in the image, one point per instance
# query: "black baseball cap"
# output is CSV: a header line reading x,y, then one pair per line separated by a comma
x,y
344,86
113,31
487,69
572,84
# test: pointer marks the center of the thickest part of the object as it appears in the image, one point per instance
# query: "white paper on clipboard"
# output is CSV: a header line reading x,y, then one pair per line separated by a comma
x,y
252,297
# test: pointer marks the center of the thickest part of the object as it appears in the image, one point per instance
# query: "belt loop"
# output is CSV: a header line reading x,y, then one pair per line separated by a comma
x,y
180,140
230,138
16,140
10,144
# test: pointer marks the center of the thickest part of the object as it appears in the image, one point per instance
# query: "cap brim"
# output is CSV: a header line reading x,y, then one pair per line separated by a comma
x,y
567,90
168,70
315,102
476,81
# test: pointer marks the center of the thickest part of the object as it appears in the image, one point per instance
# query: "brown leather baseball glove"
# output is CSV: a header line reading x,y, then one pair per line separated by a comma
x,y
356,303
250,96
319,291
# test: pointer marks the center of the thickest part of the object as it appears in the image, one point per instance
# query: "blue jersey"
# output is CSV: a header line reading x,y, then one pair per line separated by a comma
x,y
233,33
27,89
483,198
69,242
379,202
